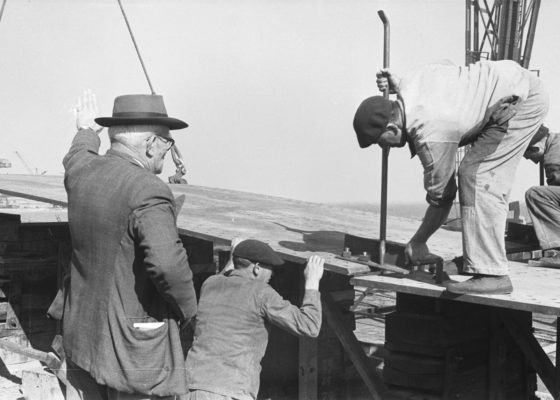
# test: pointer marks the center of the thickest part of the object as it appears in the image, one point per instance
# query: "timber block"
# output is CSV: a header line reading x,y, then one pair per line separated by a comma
x,y
199,251
411,303
519,232
10,358
39,384
9,230
394,252
433,373
455,350
424,331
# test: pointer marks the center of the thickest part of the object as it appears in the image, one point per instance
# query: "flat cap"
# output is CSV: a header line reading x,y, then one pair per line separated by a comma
x,y
257,251
371,119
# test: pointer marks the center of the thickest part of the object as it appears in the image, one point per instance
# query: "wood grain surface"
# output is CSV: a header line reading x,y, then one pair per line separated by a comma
x,y
295,229
534,289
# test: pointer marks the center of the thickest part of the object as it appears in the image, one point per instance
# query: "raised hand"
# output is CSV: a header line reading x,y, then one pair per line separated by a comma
x,y
313,272
86,111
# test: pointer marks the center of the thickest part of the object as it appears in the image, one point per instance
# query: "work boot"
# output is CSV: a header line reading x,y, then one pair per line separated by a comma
x,y
482,284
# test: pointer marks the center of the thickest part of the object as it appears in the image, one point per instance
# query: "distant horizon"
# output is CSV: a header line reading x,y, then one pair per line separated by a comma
x,y
413,209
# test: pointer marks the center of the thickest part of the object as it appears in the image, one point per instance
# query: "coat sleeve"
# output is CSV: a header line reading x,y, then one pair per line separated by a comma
x,y
302,321
84,145
551,159
438,160
165,258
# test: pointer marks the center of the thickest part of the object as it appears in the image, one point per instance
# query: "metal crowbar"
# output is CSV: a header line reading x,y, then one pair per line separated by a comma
x,y
385,153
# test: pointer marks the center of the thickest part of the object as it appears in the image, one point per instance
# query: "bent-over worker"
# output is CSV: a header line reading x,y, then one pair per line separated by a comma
x,y
130,281
233,321
496,107
543,202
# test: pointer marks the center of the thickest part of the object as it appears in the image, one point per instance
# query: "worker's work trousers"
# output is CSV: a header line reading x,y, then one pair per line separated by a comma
x,y
84,387
543,204
204,395
485,180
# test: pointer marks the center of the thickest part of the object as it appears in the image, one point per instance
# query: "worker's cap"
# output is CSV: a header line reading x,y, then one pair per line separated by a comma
x,y
257,251
371,119
140,109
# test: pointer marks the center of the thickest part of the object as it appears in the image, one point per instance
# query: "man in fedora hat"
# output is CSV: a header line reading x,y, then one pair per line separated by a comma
x,y
233,321
130,282
494,106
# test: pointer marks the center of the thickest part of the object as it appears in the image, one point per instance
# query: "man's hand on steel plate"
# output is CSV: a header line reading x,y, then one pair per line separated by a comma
x,y
386,77
416,252
86,112
313,272
229,266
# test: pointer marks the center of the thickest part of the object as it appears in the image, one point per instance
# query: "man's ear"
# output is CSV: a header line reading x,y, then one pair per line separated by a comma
x,y
256,269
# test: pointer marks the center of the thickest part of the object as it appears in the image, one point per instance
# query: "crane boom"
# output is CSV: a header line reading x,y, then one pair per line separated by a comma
x,y
29,169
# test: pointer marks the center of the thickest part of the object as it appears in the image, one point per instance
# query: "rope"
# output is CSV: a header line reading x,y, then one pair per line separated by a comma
x,y
2,9
135,46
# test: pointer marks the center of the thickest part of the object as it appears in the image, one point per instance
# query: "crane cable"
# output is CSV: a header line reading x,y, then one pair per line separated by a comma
x,y
135,46
2,9
175,153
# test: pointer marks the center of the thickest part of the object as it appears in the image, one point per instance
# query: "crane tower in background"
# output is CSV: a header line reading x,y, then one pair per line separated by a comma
x,y
498,30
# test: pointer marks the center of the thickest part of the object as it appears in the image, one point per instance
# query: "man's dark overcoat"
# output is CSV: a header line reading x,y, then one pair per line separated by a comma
x,y
128,265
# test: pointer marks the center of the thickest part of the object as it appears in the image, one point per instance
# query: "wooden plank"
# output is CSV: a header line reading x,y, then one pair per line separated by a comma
x,y
496,358
308,381
14,299
534,289
557,358
41,199
9,357
38,384
533,351
49,359
295,229
352,347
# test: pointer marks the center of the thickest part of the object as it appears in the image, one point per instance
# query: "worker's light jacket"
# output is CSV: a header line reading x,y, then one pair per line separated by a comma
x,y
128,266
447,106
231,334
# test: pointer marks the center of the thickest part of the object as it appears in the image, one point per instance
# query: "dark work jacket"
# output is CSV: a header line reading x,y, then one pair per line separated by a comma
x,y
128,265
231,334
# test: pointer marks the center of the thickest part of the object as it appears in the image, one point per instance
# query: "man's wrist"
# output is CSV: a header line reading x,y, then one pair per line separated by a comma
x,y
311,285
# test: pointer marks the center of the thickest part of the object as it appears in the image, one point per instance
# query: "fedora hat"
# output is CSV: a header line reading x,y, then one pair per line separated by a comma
x,y
140,109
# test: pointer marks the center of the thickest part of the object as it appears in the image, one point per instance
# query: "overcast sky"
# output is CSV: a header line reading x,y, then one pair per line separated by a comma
x,y
269,88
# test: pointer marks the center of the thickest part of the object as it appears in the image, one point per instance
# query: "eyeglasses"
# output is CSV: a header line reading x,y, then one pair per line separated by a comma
x,y
167,140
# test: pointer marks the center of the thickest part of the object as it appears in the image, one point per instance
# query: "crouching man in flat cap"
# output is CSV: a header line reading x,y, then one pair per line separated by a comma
x,y
234,316
130,282
494,106
543,202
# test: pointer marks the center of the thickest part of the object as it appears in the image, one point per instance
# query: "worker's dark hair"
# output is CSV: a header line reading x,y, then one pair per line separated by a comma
x,y
240,263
